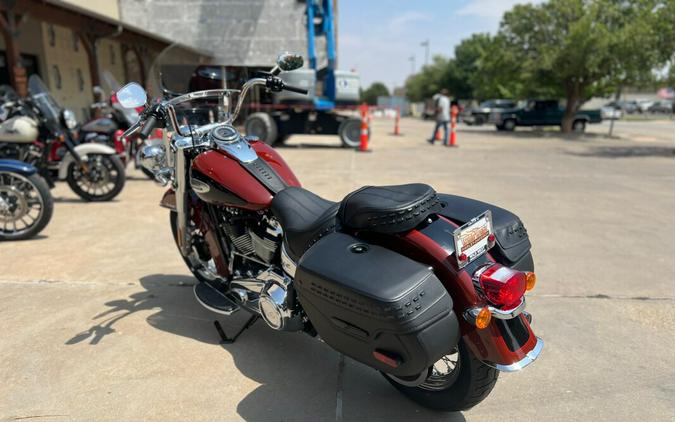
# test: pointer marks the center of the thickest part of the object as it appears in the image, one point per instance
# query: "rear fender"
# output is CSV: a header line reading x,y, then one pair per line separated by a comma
x,y
83,150
508,347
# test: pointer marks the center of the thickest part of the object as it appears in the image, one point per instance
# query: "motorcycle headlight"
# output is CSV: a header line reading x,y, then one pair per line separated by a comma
x,y
69,119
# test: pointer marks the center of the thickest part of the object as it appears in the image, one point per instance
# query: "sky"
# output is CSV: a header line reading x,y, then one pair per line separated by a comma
x,y
377,37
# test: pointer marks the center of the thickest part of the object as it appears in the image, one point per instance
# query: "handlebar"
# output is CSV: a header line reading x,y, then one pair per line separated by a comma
x,y
148,127
295,89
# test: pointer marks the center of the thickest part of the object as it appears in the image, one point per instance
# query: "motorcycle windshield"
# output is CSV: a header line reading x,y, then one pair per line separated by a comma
x,y
44,101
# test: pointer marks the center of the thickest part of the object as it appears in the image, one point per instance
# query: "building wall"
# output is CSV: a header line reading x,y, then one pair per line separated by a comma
x,y
237,32
67,69
108,8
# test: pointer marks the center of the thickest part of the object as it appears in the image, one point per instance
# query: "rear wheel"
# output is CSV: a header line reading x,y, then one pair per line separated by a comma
x,y
26,205
350,133
262,126
458,381
102,181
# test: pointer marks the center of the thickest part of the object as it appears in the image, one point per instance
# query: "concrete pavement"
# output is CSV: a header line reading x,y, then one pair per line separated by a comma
x,y
98,321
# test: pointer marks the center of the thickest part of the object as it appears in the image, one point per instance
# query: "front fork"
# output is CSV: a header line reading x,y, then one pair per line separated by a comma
x,y
182,200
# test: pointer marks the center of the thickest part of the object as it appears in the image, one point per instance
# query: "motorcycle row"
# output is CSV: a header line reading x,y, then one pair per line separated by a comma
x,y
42,142
426,288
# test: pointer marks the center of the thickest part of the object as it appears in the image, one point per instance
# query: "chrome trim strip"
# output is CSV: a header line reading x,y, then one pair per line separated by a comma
x,y
530,357
508,314
287,263
471,313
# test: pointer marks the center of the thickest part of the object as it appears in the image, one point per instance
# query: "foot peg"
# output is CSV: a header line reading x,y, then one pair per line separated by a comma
x,y
214,300
224,339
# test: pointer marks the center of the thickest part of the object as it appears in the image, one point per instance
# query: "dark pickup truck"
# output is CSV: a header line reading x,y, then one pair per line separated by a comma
x,y
542,113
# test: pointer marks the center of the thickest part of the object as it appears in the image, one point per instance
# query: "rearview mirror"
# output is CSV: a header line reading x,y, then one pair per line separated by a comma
x,y
132,95
289,61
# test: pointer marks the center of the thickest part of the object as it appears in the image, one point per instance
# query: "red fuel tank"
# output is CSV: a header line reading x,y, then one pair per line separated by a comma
x,y
219,179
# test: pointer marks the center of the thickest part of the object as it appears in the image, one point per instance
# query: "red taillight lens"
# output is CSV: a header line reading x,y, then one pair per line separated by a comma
x,y
503,286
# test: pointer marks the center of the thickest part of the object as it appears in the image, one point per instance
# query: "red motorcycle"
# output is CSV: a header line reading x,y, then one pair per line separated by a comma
x,y
426,288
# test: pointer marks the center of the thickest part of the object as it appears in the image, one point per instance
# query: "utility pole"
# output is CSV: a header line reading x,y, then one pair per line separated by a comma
x,y
411,59
425,44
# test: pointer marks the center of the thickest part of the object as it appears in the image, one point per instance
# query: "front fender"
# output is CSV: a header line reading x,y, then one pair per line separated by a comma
x,y
16,166
83,150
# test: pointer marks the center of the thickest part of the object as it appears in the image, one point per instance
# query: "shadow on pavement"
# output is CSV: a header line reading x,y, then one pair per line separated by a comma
x,y
626,152
299,376
526,133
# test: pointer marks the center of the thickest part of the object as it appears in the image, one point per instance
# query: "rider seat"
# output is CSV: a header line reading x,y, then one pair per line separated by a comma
x,y
306,217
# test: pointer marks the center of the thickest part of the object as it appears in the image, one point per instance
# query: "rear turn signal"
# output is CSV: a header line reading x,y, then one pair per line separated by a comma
x,y
483,318
531,280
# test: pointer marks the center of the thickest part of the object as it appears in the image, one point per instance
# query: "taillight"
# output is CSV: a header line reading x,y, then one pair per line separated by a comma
x,y
503,286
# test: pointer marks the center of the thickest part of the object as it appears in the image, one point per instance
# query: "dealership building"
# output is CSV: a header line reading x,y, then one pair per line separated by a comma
x,y
74,44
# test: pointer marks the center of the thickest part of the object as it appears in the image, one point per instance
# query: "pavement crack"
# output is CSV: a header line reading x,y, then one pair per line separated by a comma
x,y
606,297
338,395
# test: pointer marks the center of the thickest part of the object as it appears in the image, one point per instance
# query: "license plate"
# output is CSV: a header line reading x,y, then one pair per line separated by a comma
x,y
474,238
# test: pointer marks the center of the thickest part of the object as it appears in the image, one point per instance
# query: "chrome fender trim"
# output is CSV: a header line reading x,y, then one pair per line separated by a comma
x,y
530,357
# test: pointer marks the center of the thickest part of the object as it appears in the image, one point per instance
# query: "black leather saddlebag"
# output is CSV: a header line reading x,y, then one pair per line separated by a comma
x,y
368,302
513,244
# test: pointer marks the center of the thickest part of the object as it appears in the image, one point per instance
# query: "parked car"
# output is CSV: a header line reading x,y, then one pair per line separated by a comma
x,y
643,105
663,106
611,112
481,114
542,113
627,107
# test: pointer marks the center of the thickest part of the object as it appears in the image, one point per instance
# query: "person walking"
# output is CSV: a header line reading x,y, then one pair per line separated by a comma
x,y
442,102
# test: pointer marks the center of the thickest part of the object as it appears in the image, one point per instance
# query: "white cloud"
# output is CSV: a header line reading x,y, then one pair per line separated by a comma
x,y
489,9
408,17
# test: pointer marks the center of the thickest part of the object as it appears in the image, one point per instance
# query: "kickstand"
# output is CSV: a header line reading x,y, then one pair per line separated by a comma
x,y
224,339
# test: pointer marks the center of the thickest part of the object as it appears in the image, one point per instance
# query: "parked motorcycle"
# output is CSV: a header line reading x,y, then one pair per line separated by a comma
x,y
113,121
26,205
38,131
426,288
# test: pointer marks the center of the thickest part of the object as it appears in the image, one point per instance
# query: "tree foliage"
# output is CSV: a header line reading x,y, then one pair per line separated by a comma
x,y
572,49
376,89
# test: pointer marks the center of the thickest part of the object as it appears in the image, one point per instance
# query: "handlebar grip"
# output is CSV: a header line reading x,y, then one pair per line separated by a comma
x,y
148,127
296,89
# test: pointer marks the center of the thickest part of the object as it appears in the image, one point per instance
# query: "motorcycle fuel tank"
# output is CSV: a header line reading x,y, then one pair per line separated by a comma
x,y
221,180
102,125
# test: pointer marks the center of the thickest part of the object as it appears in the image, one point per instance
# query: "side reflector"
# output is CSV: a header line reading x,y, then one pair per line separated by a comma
x,y
388,359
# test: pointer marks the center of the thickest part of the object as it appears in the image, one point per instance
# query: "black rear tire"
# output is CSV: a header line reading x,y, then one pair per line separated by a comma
x,y
112,163
42,190
350,133
472,385
263,126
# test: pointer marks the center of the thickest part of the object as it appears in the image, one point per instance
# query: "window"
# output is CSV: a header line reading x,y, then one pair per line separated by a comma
x,y
57,76
80,80
113,59
76,42
51,35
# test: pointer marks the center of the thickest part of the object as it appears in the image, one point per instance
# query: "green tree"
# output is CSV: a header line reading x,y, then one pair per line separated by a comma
x,y
376,89
579,48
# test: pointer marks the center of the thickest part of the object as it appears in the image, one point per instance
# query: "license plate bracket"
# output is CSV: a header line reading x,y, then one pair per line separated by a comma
x,y
474,238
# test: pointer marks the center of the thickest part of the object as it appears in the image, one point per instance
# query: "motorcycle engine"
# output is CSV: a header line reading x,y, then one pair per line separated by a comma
x,y
257,282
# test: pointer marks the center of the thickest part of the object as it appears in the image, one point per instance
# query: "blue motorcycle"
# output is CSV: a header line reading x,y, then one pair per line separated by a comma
x,y
26,205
